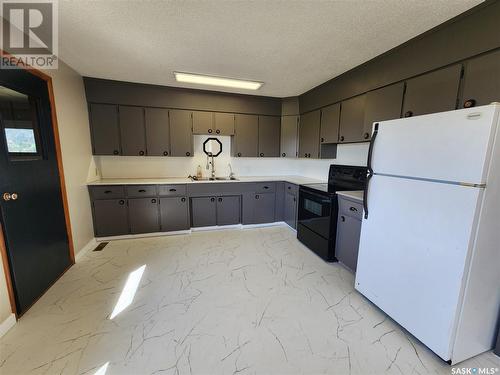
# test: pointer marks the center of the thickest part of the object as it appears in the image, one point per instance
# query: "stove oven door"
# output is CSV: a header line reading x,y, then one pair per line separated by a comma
x,y
315,211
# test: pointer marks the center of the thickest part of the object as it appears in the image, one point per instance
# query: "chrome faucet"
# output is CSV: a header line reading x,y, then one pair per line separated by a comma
x,y
231,174
213,166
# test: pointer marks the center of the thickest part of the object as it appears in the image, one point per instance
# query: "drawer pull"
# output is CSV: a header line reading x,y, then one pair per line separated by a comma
x,y
266,187
183,199
220,199
108,191
289,188
172,190
257,197
354,209
342,218
142,191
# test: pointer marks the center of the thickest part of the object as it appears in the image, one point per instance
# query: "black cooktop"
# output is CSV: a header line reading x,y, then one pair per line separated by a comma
x,y
341,178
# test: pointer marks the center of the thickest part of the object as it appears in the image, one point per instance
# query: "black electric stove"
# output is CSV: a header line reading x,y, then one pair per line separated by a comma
x,y
318,208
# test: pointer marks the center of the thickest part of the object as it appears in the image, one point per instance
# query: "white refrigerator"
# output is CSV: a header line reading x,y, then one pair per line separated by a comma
x,y
429,253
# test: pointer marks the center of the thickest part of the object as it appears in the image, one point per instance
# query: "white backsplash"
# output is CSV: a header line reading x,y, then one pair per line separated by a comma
x,y
151,166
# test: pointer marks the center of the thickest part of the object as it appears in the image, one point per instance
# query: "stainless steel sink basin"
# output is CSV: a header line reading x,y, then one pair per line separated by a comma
x,y
214,179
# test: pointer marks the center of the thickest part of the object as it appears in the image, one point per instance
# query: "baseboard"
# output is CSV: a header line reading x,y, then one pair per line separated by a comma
x,y
215,228
7,324
142,235
84,250
276,223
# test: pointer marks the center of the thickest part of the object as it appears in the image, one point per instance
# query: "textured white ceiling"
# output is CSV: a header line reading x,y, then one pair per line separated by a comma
x,y
292,46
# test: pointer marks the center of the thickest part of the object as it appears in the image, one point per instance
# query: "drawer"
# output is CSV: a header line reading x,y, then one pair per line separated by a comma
x,y
291,188
265,187
137,191
350,208
107,192
172,190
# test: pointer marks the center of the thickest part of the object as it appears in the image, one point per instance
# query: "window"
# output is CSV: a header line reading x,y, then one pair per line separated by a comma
x,y
19,121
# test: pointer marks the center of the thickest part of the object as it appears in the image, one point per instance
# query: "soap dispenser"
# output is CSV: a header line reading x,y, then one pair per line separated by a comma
x,y
199,175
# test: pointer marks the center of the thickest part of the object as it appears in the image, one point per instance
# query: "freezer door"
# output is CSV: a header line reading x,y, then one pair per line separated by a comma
x,y
413,251
448,146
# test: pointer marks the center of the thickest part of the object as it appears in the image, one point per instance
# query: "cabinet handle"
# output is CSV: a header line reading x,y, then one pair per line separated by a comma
x,y
289,188
172,190
322,139
142,191
305,155
261,154
188,153
469,103
116,152
257,196
209,131
353,209
408,114
283,154
220,199
266,187
212,199
183,199
141,153
217,131
239,153
342,218
153,200
366,135
108,192
294,199
342,138
121,202
165,153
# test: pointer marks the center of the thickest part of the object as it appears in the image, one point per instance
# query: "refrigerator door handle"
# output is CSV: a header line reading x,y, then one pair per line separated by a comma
x,y
369,170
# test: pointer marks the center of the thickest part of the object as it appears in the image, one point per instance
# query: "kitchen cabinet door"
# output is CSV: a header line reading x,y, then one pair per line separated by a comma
x,y
132,130
264,208
352,119
280,202
481,81
110,217
203,212
143,215
105,129
330,121
348,234
309,130
203,122
246,136
290,211
382,104
174,214
432,92
228,210
269,136
181,134
289,136
224,123
157,131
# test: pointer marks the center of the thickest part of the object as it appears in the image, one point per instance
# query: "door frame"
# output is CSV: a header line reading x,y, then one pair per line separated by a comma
x,y
62,183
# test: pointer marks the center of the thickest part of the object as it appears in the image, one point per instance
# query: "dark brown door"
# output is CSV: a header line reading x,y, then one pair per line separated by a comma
x,y
174,214
157,131
105,130
352,119
110,217
269,136
203,122
432,92
228,210
482,80
31,203
289,136
143,215
309,130
224,123
181,133
132,130
330,120
246,137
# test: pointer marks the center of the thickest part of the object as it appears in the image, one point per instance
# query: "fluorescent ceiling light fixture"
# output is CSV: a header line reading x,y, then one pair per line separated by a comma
x,y
217,81
102,369
128,291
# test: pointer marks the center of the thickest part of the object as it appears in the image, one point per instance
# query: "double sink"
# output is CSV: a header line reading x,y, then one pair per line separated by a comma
x,y
194,178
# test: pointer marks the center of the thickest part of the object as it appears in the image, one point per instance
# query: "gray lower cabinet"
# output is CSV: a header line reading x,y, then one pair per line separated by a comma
x,y
309,130
348,232
269,136
132,131
352,120
481,80
157,131
174,214
290,210
224,123
143,215
289,136
228,210
382,104
104,129
432,92
245,142
330,120
181,133
264,210
110,217
203,211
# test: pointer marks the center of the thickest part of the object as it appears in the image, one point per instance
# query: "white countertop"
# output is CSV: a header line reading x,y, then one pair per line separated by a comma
x,y
356,194
298,180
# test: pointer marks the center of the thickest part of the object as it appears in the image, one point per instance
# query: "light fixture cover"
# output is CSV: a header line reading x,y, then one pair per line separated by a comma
x,y
217,81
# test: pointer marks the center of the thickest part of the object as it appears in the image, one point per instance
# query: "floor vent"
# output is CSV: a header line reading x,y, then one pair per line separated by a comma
x,y
101,246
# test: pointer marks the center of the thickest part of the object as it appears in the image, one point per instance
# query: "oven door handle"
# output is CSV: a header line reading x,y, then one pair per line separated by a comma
x,y
322,198
369,170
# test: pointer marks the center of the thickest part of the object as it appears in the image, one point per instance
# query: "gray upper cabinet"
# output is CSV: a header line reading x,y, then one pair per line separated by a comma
x,y
181,134
352,120
382,104
105,130
132,130
228,210
203,211
289,136
174,214
157,131
110,217
432,92
330,121
245,142
143,215
309,130
481,80
224,123
203,122
269,136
